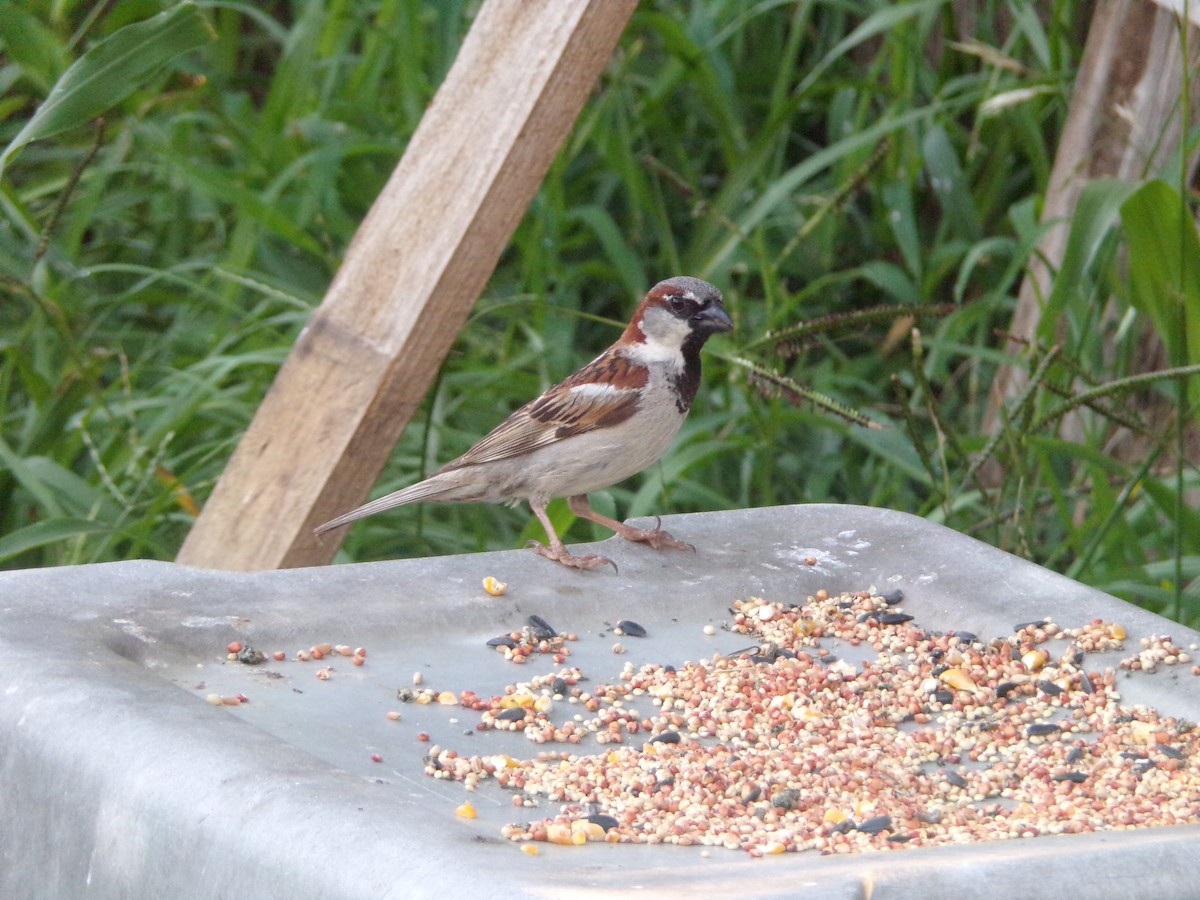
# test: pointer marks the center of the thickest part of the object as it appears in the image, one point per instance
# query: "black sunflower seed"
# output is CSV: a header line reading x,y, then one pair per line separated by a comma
x,y
608,823
875,825
631,629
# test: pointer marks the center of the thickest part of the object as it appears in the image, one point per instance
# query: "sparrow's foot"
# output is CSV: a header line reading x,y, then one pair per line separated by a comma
x,y
564,556
655,537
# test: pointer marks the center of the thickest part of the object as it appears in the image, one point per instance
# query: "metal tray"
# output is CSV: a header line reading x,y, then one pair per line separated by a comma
x,y
120,780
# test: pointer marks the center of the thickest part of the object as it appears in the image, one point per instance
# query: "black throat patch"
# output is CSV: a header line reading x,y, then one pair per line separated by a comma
x,y
687,381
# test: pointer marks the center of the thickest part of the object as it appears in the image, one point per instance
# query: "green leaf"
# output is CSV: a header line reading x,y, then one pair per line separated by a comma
x,y
50,532
950,185
898,201
625,262
1095,217
112,70
33,46
1164,267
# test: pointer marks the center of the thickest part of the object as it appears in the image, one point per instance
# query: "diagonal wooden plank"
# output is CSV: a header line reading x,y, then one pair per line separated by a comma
x,y
410,277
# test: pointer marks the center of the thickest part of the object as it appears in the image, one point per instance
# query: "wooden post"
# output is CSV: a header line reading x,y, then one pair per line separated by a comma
x,y
1122,123
412,273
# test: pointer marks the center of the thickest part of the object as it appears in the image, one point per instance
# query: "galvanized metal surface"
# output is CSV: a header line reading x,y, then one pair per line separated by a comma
x,y
120,780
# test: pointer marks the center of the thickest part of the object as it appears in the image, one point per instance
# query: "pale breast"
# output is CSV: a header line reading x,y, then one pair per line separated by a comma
x,y
598,459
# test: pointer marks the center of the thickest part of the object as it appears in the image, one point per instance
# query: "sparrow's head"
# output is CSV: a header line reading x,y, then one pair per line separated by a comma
x,y
677,317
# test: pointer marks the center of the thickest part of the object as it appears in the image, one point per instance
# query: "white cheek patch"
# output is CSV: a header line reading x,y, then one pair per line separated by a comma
x,y
664,335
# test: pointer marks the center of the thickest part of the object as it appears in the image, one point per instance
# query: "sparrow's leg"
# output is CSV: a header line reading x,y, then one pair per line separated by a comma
x,y
655,537
558,551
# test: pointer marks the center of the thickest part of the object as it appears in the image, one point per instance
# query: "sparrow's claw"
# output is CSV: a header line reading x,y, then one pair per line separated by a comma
x,y
655,537
571,561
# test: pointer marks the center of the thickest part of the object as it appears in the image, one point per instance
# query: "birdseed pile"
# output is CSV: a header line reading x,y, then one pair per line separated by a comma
x,y
931,739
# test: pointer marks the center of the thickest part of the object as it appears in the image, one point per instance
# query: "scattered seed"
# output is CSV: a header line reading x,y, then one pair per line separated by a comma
x,y
875,825
251,657
715,772
629,628
542,628
608,823
789,798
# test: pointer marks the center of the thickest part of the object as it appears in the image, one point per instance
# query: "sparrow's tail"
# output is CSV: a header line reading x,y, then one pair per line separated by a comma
x,y
434,488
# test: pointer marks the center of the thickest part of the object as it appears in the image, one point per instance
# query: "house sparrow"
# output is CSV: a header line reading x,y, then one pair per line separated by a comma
x,y
611,419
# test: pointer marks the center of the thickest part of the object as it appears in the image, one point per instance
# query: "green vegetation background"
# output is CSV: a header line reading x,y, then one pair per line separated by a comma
x,y
862,178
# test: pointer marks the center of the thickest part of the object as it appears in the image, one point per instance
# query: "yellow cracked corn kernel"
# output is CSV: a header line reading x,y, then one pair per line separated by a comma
x,y
959,679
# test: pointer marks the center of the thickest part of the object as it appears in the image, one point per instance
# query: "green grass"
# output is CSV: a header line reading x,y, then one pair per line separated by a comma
x,y
860,177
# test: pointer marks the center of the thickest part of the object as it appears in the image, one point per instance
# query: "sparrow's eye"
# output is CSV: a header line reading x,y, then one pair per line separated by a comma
x,y
677,303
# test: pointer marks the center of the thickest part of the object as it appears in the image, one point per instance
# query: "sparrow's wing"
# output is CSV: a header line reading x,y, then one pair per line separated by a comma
x,y
603,393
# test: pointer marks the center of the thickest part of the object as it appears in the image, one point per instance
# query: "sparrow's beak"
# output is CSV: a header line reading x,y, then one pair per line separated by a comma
x,y
712,319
